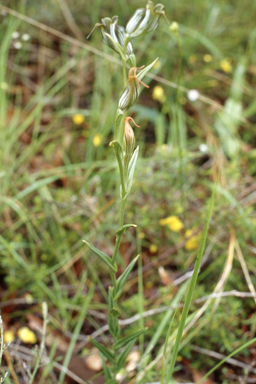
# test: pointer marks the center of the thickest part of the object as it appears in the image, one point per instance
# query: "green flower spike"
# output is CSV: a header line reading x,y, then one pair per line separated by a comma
x,y
145,20
129,139
132,91
114,37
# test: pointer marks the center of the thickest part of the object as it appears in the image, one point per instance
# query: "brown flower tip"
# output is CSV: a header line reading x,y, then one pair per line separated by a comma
x,y
132,76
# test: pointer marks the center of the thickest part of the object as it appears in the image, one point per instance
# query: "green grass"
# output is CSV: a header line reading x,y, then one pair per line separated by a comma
x,y
57,187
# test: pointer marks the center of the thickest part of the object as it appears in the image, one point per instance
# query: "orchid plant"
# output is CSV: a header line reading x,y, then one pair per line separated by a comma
x,y
119,39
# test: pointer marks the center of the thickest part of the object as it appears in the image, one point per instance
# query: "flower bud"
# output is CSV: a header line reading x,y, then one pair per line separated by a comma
x,y
145,20
174,27
131,92
129,139
110,28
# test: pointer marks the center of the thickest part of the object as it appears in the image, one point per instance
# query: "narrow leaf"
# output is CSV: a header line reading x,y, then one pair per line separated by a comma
x,y
122,229
122,343
145,70
192,286
106,369
246,345
103,350
116,145
111,381
115,312
124,354
119,156
166,319
122,279
102,256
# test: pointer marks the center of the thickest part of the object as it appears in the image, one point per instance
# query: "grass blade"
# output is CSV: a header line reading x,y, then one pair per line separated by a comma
x,y
191,287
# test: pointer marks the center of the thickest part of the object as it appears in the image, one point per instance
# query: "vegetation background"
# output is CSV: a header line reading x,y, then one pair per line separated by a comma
x,y
58,180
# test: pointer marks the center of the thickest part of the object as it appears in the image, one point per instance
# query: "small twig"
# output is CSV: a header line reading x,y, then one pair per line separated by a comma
x,y
84,339
220,356
10,366
26,353
227,268
70,20
245,269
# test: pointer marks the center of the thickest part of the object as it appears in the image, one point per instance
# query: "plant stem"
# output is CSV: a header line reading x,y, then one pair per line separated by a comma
x,y
118,241
122,211
180,149
124,73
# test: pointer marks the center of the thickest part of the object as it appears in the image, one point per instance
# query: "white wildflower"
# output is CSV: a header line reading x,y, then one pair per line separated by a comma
x,y
193,94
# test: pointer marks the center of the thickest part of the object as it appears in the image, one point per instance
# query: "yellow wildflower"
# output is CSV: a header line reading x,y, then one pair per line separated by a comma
x,y
194,241
8,336
173,223
78,118
158,94
226,66
153,248
164,147
192,59
27,336
141,235
29,298
207,58
96,140
149,284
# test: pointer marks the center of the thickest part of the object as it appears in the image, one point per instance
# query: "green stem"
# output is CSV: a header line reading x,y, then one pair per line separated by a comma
x,y
177,110
119,130
113,277
121,170
124,73
122,212
118,241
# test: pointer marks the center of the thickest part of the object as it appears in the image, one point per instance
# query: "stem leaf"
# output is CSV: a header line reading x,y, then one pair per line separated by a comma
x,y
106,369
122,343
131,169
124,354
122,279
122,229
103,350
119,156
116,145
102,256
111,381
145,70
